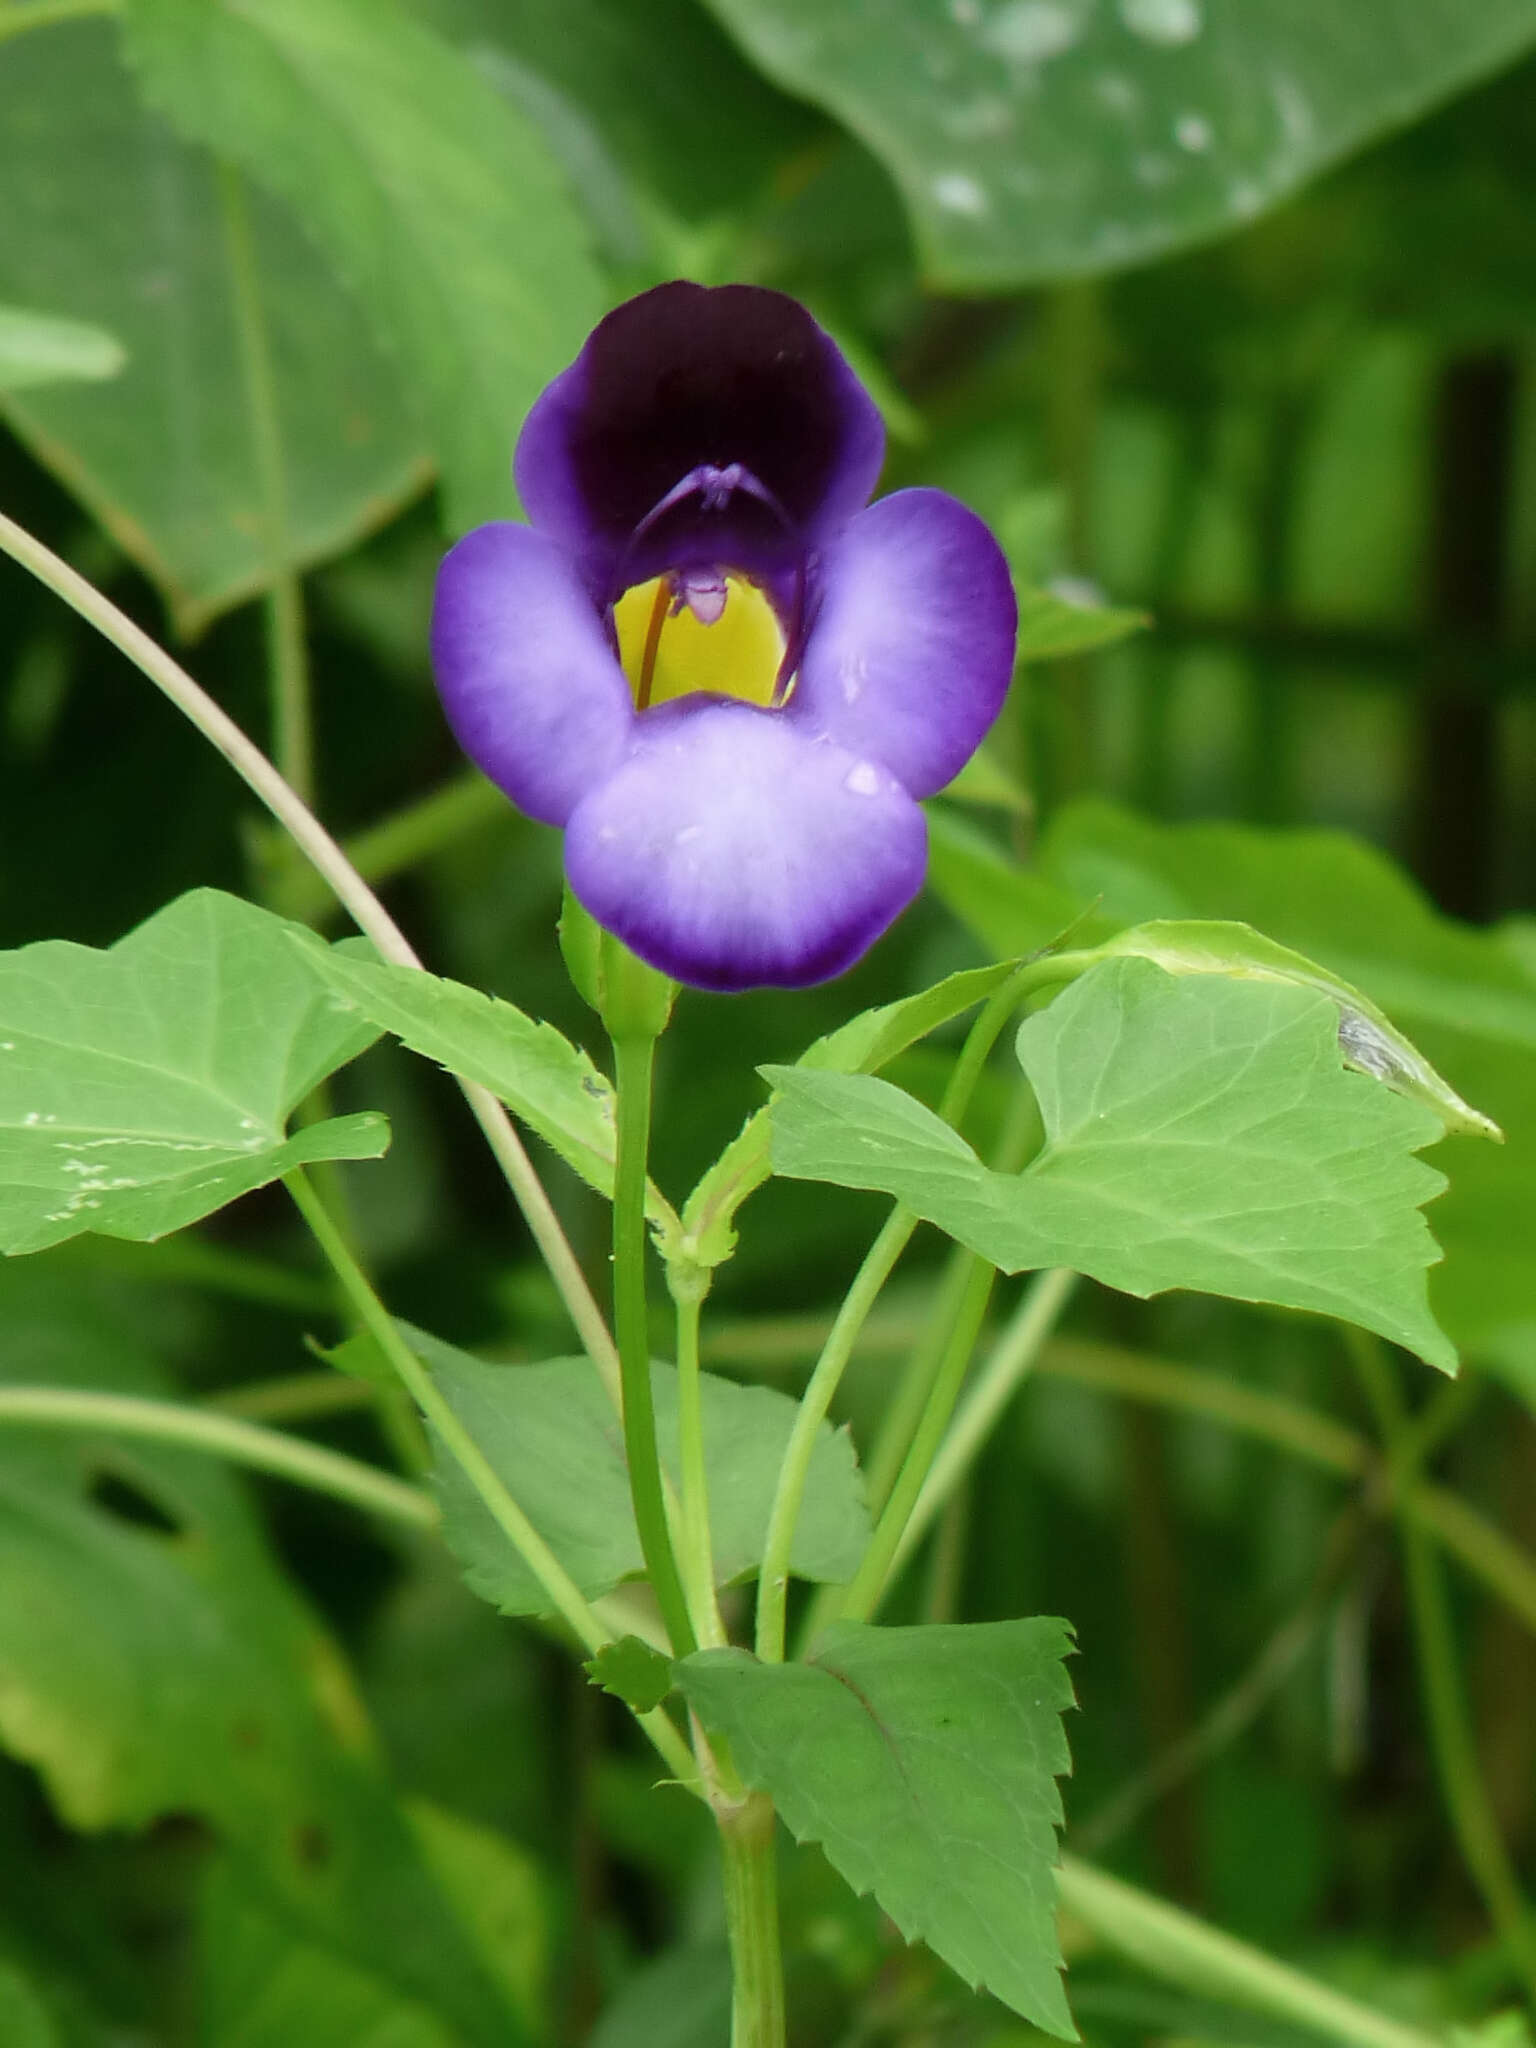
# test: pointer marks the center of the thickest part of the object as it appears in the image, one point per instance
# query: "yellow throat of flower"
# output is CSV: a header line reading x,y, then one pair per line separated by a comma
x,y
668,651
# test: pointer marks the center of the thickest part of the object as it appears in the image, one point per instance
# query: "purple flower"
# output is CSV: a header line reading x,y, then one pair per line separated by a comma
x,y
726,674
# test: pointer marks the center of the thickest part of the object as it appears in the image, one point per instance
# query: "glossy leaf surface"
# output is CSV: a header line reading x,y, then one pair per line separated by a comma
x,y
147,1085
1198,1133
1056,138
426,188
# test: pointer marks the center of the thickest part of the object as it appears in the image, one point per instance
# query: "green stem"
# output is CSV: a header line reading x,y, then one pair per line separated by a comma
x,y
749,1868
564,1595
940,1360
936,1464
1138,1376
633,1059
21,15
350,890
1457,1764
288,676
698,1564
1182,1950
296,1397
1504,1568
223,1436
773,1578
1507,1571
287,662
952,1301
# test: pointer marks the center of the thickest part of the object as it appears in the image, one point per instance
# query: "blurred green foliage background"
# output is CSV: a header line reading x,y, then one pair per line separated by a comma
x,y
1223,315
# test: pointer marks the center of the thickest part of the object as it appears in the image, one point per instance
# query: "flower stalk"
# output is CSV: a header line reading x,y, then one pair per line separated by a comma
x,y
688,1287
750,1871
564,1595
634,1058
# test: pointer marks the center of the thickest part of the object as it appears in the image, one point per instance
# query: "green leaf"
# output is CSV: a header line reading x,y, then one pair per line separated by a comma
x,y
552,1435
1198,1133
360,1357
1468,997
541,1077
1370,1042
431,194
145,1086
923,1760
861,1046
109,219
1055,138
703,105
155,1661
633,1672
1052,626
40,348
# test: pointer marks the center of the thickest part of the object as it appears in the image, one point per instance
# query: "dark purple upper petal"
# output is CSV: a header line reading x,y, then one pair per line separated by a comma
x,y
733,851
530,684
911,649
684,379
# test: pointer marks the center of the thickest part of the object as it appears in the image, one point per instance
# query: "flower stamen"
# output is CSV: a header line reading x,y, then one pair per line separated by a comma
x,y
658,618
705,632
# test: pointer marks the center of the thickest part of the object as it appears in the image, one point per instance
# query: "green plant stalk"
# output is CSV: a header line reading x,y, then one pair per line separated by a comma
x,y
698,1564
773,1577
964,1297
1457,1765
1503,1568
223,1436
952,1300
1182,1950
1486,1552
564,1595
294,1397
350,890
940,1360
749,1868
633,1059
288,678
936,1463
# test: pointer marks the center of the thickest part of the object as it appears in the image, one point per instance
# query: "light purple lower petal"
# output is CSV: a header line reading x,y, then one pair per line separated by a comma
x,y
531,686
911,651
732,850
